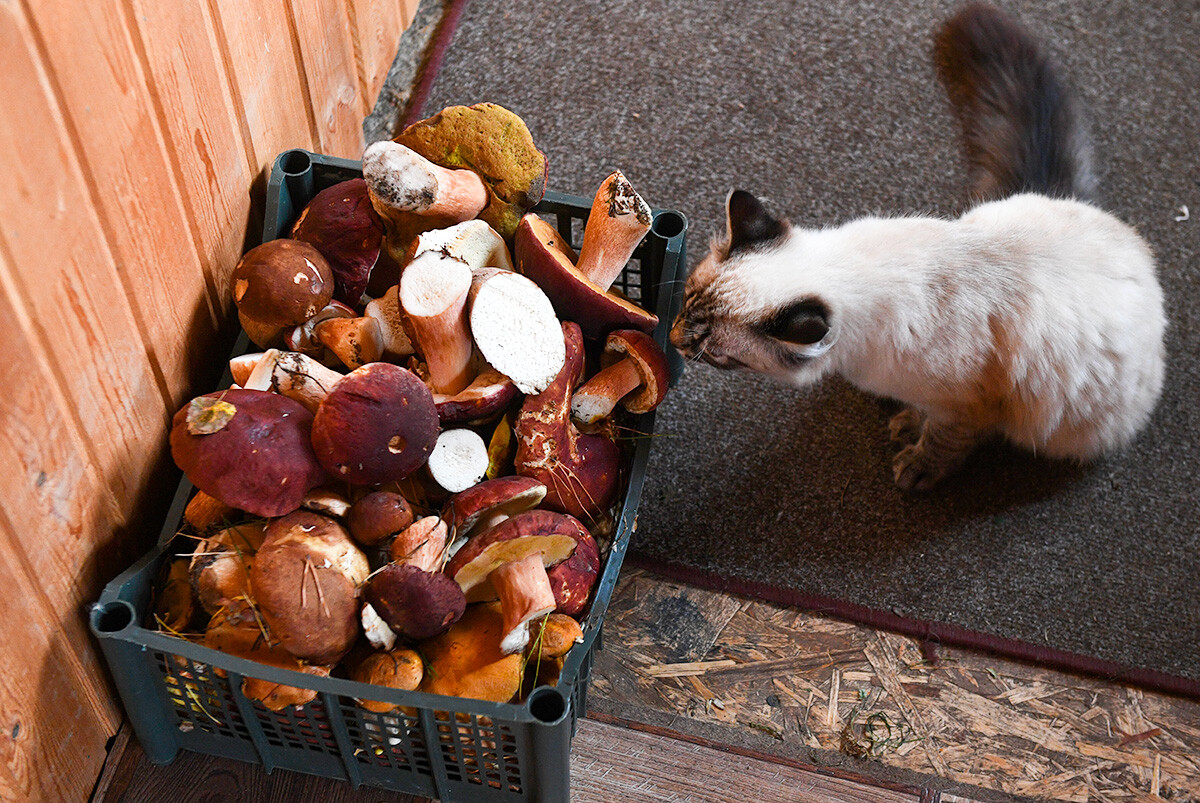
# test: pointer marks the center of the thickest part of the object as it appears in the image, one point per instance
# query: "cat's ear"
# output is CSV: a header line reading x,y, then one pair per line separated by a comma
x,y
749,223
803,323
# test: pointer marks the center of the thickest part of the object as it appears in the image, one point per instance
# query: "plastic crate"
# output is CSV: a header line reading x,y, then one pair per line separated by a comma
x,y
447,748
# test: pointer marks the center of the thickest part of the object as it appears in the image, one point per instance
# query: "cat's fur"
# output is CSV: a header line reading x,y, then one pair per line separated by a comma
x,y
1035,317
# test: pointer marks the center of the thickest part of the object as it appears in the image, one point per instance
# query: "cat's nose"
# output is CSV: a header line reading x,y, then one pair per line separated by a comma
x,y
679,337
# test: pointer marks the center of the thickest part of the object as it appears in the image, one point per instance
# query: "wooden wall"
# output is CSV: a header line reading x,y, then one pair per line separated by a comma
x,y
136,135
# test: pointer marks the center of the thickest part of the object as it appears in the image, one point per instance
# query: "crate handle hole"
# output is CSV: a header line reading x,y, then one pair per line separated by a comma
x,y
296,162
668,225
547,705
112,617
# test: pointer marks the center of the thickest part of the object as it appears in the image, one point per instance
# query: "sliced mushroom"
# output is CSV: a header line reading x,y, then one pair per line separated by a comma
x,y
459,460
515,328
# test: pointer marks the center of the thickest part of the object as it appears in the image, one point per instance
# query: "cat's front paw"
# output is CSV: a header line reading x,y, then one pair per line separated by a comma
x,y
914,471
905,427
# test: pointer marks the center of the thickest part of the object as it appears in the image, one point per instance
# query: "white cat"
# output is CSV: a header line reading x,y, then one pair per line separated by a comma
x,y
1033,317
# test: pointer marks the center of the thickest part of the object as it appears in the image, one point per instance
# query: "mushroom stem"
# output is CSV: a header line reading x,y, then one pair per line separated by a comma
x,y
400,179
422,544
616,224
355,341
291,374
525,594
433,295
600,394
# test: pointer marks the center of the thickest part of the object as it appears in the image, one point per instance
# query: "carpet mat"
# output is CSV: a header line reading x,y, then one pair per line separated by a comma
x,y
830,111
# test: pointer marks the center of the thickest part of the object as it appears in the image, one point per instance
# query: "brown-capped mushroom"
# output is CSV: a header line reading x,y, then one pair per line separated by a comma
x,y
579,471
617,222
248,448
459,459
306,578
466,661
341,223
220,565
303,338
540,254
378,516
635,374
515,328
175,603
378,424
282,283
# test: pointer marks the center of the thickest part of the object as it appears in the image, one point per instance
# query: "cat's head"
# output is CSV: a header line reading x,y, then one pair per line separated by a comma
x,y
742,307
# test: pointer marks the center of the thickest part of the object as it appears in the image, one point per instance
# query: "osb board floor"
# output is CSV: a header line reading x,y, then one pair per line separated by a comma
x,y
609,763
748,671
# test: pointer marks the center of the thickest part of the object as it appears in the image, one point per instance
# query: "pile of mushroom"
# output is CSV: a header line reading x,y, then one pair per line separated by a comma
x,y
402,486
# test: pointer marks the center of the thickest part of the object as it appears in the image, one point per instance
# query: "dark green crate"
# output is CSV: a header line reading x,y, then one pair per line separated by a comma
x,y
447,748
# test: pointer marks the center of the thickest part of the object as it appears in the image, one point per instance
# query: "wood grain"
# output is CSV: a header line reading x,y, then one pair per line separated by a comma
x,y
331,75
376,28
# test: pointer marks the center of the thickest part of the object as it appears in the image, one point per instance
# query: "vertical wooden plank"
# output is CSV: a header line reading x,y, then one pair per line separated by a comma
x,y
322,30
191,91
110,121
408,10
267,85
376,27
52,744
66,287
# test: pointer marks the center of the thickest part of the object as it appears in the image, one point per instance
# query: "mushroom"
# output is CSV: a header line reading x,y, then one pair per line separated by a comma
x,y
543,256
488,503
247,448
579,470
386,312
466,660
327,502
175,603
489,394
282,283
411,595
515,328
459,460
473,242
303,338
341,223
205,513
219,568
378,516
403,181
433,295
306,579
236,630
287,373
496,144
376,425
394,669
617,222
573,579
525,595
548,648
635,374
355,341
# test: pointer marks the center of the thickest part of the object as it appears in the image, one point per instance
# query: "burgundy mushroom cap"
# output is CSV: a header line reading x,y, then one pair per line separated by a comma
x,y
414,602
341,223
635,374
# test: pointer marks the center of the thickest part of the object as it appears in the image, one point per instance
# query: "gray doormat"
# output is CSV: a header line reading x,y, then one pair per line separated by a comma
x,y
830,111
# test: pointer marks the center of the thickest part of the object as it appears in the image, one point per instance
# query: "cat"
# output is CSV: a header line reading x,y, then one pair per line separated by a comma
x,y
1035,315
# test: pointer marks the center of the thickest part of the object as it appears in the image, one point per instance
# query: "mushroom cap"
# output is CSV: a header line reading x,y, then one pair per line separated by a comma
x,y
220,565
260,460
537,248
507,495
394,669
496,144
553,535
466,661
341,223
305,579
651,362
282,283
573,579
579,471
489,393
556,639
414,602
378,516
376,425
234,630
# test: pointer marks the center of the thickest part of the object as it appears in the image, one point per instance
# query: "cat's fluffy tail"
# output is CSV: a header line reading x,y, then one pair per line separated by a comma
x,y
1023,129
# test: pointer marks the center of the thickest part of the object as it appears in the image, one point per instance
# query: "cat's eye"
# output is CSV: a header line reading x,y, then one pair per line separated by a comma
x,y
803,323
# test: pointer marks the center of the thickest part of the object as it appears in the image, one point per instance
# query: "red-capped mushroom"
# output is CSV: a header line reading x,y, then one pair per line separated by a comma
x,y
542,255
378,424
378,516
341,223
248,448
579,470
488,503
635,374
411,594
